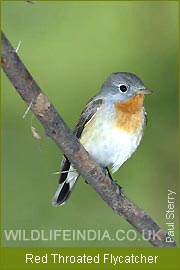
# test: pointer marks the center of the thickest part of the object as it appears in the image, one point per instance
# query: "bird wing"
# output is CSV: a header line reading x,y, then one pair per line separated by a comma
x,y
87,114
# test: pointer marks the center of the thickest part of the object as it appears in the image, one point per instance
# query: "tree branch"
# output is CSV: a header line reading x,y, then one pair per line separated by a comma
x,y
58,131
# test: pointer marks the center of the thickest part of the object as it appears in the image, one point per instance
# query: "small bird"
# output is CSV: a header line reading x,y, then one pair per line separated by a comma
x,y
110,128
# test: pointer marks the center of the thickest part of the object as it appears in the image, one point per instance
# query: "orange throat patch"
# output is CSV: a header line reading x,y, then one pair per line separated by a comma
x,y
129,116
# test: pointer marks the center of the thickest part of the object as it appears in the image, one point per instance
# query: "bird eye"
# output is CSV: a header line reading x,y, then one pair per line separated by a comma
x,y
123,88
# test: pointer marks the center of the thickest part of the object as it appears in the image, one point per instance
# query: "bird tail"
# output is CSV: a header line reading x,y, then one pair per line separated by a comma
x,y
66,185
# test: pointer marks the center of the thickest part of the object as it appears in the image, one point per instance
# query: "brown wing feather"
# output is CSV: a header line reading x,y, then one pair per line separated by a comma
x,y
90,109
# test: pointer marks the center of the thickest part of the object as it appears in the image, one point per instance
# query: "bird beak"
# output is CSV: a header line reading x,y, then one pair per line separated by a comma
x,y
145,91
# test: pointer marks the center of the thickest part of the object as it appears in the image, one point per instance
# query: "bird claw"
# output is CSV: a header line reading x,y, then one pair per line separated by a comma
x,y
119,189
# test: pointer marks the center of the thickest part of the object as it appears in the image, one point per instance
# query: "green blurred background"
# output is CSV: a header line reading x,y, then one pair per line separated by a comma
x,y
70,48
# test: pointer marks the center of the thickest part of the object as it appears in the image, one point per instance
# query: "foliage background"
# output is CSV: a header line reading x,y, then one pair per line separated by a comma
x,y
71,47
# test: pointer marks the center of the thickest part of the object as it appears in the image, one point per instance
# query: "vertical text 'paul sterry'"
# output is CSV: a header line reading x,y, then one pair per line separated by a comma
x,y
170,215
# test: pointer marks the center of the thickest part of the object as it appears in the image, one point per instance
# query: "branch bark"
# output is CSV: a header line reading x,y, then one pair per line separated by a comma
x,y
58,131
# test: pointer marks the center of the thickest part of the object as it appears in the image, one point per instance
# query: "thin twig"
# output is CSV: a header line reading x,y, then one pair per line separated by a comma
x,y
61,172
27,110
18,46
56,128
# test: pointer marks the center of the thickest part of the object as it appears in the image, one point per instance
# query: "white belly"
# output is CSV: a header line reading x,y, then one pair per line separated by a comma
x,y
110,146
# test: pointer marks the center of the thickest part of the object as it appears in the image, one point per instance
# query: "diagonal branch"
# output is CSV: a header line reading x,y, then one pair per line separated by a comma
x,y
58,131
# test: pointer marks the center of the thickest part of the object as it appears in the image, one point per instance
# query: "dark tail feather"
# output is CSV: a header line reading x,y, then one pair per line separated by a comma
x,y
66,183
64,189
61,194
